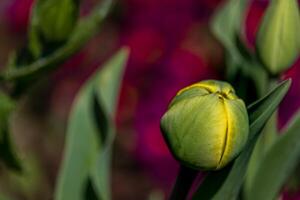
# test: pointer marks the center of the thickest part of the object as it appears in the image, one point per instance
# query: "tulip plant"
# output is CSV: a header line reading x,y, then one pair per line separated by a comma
x,y
206,125
223,131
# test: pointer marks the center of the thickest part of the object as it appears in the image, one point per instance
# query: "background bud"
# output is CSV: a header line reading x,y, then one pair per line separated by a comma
x,y
206,125
55,19
278,41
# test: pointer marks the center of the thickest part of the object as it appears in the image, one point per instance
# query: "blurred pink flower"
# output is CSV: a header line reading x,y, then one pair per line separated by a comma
x,y
291,103
147,46
17,15
253,19
185,67
290,196
159,65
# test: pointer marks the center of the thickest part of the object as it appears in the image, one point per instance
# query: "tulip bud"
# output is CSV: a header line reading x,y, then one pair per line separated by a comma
x,y
206,125
55,19
278,41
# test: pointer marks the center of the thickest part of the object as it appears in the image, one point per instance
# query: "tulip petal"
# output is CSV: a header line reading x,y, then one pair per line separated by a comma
x,y
196,128
237,130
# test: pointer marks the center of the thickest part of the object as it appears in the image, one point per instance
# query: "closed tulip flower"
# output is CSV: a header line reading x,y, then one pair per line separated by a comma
x,y
206,125
55,19
278,41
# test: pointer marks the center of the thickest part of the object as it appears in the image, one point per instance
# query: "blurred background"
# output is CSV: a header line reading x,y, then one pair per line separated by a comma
x,y
171,47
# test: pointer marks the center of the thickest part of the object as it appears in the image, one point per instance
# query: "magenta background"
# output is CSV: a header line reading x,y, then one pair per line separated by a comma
x,y
170,48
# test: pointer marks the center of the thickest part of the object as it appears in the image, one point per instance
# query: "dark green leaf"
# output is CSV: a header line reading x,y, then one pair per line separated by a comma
x,y
7,152
89,141
242,68
226,184
280,161
227,25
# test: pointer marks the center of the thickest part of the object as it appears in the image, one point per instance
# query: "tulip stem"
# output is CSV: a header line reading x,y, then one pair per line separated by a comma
x,y
184,181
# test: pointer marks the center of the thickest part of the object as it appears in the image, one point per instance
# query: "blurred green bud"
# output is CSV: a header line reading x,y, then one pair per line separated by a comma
x,y
278,40
55,19
206,125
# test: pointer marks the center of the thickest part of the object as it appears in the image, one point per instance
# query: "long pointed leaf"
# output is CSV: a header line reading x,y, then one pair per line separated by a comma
x,y
227,25
226,184
279,162
90,134
109,79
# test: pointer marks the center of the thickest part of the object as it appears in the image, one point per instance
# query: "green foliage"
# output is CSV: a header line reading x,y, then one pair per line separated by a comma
x,y
84,30
242,68
280,161
54,36
277,46
7,154
278,41
227,26
86,165
226,184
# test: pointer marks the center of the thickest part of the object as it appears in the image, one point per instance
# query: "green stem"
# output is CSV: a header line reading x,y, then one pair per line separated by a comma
x,y
184,181
86,29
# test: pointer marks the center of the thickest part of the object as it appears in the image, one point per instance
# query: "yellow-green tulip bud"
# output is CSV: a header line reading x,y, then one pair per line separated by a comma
x,y
278,40
206,125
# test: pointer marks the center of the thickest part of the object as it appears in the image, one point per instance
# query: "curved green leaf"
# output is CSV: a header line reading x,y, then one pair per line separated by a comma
x,y
226,184
280,161
227,25
242,68
90,134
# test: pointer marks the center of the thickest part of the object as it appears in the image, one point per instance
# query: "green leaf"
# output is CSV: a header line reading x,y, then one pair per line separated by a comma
x,y
227,25
7,152
242,68
249,81
85,29
90,133
280,161
226,184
